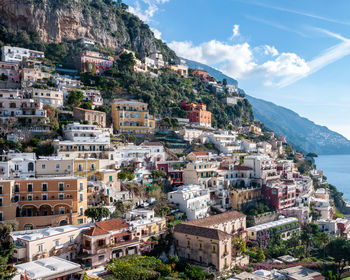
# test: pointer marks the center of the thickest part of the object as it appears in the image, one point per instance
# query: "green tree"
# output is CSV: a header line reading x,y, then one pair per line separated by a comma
x,y
75,98
325,239
7,272
260,256
97,213
339,250
86,105
126,62
138,268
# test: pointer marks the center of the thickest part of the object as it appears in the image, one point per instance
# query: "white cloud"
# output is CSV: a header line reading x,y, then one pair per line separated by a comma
x,y
238,60
235,31
156,33
147,9
327,57
270,50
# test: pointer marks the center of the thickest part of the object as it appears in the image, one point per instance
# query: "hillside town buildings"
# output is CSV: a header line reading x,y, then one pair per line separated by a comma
x,y
176,182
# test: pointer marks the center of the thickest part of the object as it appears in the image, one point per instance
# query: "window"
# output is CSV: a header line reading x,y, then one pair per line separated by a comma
x,y
0,201
57,166
92,167
61,210
80,167
81,197
71,239
1,189
200,246
188,244
29,187
16,188
101,258
81,186
43,166
61,196
214,249
44,196
110,178
57,242
80,221
44,187
29,197
40,248
61,186
81,211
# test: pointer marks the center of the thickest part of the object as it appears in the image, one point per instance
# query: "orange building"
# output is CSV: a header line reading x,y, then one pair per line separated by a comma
x,y
43,202
197,113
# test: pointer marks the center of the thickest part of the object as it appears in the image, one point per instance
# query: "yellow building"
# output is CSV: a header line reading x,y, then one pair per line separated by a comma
x,y
88,168
130,116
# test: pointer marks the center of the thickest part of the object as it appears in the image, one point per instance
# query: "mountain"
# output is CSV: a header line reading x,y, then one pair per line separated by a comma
x,y
105,21
302,133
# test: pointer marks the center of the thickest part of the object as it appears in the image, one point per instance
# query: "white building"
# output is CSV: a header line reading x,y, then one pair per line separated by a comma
x,y
84,141
49,268
225,141
264,167
322,207
190,134
193,200
202,173
15,54
63,241
146,153
248,146
17,165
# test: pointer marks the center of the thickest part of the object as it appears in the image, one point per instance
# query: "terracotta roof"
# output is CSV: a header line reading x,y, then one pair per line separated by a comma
x,y
95,231
113,224
217,219
201,231
241,167
200,153
152,144
104,227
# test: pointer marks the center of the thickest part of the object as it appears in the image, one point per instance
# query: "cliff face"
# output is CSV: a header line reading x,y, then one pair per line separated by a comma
x,y
104,21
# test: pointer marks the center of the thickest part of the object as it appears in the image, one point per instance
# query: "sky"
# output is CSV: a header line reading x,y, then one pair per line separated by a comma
x,y
294,53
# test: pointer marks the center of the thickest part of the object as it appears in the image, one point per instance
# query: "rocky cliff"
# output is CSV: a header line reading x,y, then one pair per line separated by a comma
x,y
105,21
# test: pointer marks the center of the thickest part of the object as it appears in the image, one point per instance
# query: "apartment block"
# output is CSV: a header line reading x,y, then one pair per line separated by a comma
x,y
16,54
197,113
51,97
130,116
43,202
63,242
10,70
95,62
209,241
109,239
84,141
193,200
284,227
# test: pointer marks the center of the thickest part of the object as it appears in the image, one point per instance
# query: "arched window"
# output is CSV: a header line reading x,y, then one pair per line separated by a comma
x,y
30,166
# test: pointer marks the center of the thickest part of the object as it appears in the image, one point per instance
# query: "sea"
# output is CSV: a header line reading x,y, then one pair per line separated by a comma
x,y
337,170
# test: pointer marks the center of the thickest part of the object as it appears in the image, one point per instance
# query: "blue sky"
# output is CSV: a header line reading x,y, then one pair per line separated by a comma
x,y
293,53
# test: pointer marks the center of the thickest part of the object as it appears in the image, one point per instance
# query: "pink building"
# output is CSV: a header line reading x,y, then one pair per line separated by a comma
x,y
10,70
95,62
280,195
109,239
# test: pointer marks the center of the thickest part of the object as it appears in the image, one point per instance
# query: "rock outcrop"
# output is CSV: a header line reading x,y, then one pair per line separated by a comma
x,y
105,22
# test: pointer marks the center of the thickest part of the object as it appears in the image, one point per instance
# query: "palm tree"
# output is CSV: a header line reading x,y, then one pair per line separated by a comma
x,y
325,239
